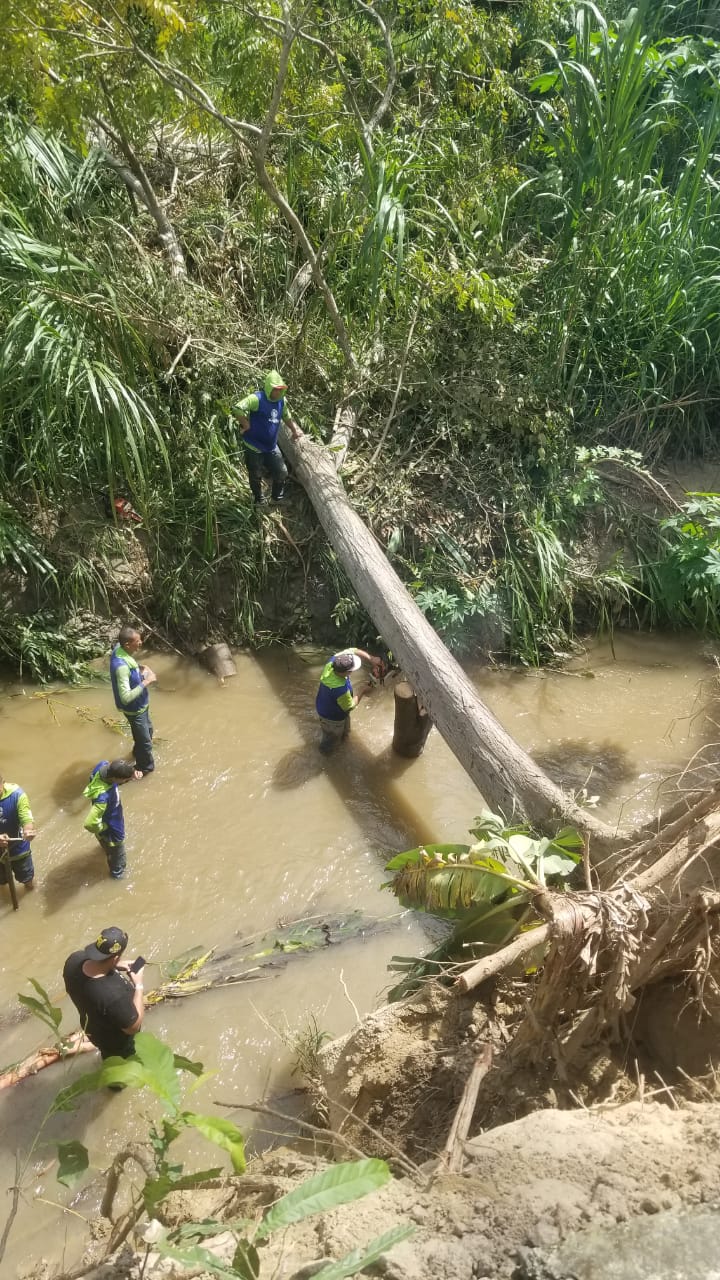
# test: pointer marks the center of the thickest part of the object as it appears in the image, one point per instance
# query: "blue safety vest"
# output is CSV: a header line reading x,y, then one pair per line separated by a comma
x,y
264,424
138,704
113,817
10,824
332,687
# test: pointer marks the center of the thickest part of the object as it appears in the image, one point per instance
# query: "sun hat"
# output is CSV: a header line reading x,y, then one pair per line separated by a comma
x,y
345,662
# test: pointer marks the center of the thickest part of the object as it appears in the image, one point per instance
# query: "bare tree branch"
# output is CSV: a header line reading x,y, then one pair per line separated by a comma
x,y
386,99
183,84
136,179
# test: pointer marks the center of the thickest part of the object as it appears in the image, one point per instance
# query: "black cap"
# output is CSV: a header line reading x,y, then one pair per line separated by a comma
x,y
109,942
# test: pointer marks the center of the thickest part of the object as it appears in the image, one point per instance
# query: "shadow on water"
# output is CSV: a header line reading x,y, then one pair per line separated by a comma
x,y
67,788
365,782
21,1124
577,763
63,882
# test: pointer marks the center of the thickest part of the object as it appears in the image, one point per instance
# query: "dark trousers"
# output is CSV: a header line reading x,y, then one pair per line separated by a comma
x,y
274,464
22,868
142,732
114,851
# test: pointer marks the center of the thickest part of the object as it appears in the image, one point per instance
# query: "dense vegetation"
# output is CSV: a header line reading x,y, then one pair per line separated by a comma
x,y
491,228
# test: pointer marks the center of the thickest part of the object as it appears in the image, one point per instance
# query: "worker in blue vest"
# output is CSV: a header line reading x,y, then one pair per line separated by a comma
x,y
17,829
335,699
259,416
106,820
130,683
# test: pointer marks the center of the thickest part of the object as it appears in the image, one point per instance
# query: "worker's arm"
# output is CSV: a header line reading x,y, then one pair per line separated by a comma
x,y
242,409
25,817
138,1002
367,657
95,821
293,428
126,694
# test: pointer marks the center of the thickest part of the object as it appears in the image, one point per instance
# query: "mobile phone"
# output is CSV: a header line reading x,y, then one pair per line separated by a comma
x,y
137,965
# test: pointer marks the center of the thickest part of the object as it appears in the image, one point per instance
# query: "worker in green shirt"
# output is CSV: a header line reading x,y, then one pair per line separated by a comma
x,y
17,829
130,683
336,698
260,416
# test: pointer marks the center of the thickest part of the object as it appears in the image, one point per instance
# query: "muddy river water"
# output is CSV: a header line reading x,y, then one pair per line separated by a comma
x,y
245,824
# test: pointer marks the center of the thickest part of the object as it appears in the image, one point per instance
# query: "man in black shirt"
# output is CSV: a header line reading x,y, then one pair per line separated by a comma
x,y
106,994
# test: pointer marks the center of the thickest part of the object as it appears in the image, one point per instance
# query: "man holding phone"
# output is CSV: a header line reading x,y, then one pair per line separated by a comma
x,y
107,992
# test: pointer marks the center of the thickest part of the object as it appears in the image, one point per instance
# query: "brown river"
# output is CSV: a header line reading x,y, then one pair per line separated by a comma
x,y
243,825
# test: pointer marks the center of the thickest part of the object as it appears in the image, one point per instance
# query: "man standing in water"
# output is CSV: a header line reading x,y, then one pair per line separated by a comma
x,y
106,819
106,993
17,829
335,698
130,690
260,416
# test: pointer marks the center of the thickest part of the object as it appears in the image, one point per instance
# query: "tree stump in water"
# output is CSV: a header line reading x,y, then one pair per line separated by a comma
x,y
218,660
412,722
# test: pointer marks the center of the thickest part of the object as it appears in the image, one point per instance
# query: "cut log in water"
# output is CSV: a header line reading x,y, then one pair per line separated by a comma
x,y
41,1058
412,722
218,660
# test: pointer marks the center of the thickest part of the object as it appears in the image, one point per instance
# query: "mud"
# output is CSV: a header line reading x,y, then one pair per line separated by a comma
x,y
528,1187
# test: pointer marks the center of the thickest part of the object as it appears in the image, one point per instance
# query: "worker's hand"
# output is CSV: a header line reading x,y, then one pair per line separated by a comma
x,y
137,775
28,831
4,842
148,676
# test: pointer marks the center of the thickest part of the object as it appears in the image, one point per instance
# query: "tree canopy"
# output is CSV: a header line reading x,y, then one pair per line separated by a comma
x,y
491,229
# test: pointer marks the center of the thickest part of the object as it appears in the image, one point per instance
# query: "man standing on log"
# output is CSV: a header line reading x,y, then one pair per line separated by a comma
x,y
130,689
335,698
260,416
17,829
106,819
107,994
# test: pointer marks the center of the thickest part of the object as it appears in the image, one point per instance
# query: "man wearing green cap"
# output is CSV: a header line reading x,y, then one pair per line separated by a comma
x,y
260,416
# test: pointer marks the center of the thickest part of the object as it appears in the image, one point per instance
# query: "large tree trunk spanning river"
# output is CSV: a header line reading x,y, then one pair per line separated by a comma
x,y
506,775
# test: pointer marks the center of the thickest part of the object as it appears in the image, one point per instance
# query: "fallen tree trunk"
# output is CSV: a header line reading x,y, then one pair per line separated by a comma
x,y
509,779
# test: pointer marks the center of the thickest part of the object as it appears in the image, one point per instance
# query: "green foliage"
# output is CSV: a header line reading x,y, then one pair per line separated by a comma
x,y
73,1162
632,294
522,250
43,1009
682,581
359,1259
154,1066
487,888
340,1184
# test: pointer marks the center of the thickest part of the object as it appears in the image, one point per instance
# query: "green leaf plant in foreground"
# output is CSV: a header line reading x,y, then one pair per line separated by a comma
x,y
487,888
154,1066
43,1009
340,1184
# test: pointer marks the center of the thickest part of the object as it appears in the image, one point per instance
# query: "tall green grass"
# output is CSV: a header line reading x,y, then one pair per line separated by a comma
x,y
632,294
